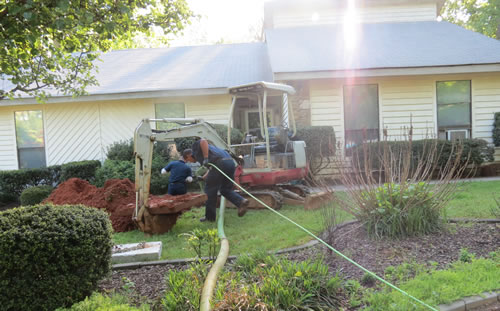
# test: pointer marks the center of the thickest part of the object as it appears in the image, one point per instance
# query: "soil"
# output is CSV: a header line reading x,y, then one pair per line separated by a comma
x,y
375,255
117,197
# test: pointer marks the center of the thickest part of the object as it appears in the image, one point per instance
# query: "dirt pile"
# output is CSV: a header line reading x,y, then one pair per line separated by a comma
x,y
113,197
117,197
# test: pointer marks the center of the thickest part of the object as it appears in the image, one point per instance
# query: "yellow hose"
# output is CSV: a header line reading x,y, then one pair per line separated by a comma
x,y
210,281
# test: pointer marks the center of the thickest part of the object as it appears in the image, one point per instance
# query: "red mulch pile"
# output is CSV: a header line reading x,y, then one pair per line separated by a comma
x,y
117,197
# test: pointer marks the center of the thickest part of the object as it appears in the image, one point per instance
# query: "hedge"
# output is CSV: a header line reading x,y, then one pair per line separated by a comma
x,y
496,130
14,182
52,256
83,169
320,143
478,150
35,195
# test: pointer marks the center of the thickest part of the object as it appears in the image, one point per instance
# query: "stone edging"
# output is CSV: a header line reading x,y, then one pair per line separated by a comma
x,y
469,303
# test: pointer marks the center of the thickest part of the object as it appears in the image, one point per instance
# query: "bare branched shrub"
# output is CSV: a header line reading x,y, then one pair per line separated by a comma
x,y
397,191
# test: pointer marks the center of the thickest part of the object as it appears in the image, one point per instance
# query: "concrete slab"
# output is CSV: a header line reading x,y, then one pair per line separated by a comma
x,y
135,252
458,305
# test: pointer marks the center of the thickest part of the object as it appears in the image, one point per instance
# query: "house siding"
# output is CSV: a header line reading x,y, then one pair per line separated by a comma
x,y
214,109
84,130
486,101
119,120
404,102
378,14
326,99
408,99
8,149
72,133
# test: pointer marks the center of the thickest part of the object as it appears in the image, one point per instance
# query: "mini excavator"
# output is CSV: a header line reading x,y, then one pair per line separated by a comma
x,y
273,163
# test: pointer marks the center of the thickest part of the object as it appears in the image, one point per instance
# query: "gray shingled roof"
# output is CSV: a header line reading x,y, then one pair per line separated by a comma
x,y
383,45
181,68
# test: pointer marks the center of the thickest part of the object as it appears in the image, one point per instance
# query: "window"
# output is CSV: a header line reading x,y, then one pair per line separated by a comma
x,y
453,108
361,114
169,110
30,139
253,120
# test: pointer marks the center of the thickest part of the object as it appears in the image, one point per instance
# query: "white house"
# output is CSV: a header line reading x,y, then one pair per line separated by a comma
x,y
360,71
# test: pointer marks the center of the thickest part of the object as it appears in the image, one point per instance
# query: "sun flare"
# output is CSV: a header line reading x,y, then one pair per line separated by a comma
x,y
350,26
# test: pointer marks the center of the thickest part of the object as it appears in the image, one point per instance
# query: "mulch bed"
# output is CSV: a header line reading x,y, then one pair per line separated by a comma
x,y
351,239
377,254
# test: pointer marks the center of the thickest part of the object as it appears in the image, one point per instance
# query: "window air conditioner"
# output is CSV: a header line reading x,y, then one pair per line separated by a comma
x,y
453,135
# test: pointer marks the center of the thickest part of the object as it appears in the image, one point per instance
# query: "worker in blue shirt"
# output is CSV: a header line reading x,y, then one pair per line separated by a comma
x,y
205,153
180,173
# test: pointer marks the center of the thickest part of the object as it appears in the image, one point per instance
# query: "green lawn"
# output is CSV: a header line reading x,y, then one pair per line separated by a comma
x,y
474,200
262,229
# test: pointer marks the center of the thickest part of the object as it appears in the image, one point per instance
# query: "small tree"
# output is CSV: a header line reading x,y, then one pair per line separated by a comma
x,y
53,44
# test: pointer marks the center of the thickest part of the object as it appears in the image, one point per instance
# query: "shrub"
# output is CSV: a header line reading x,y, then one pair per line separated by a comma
x,y
122,150
399,210
260,282
15,181
83,169
496,129
320,145
98,301
199,241
35,195
52,256
114,169
475,151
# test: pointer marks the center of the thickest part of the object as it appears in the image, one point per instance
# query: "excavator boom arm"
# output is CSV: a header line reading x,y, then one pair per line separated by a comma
x,y
144,137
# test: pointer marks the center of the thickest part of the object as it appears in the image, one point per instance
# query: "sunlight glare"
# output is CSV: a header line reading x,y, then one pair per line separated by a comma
x,y
315,17
350,27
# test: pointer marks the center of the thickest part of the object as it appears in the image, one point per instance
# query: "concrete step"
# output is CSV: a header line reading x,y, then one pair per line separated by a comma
x,y
136,252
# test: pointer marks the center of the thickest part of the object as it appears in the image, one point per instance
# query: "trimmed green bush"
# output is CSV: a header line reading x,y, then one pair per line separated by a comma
x,y
83,169
478,150
320,144
35,195
52,256
320,140
496,130
114,169
15,181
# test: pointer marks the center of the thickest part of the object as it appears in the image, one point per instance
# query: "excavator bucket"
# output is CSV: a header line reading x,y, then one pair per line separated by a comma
x,y
317,199
162,213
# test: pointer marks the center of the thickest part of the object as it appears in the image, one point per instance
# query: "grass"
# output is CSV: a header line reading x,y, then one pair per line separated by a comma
x,y
442,286
475,200
257,230
263,230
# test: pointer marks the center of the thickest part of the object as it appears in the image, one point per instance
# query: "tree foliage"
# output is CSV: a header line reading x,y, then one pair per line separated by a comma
x,y
54,43
482,16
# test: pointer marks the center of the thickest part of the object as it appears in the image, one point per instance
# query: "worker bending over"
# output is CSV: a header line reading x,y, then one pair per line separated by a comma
x,y
205,153
180,173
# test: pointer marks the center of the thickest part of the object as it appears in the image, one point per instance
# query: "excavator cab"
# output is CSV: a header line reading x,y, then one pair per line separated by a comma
x,y
270,155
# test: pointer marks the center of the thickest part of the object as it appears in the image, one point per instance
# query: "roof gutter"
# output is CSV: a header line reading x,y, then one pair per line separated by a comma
x,y
117,96
385,72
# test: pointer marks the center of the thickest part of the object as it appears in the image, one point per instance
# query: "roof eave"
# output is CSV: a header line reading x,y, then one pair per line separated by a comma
x,y
384,72
118,96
